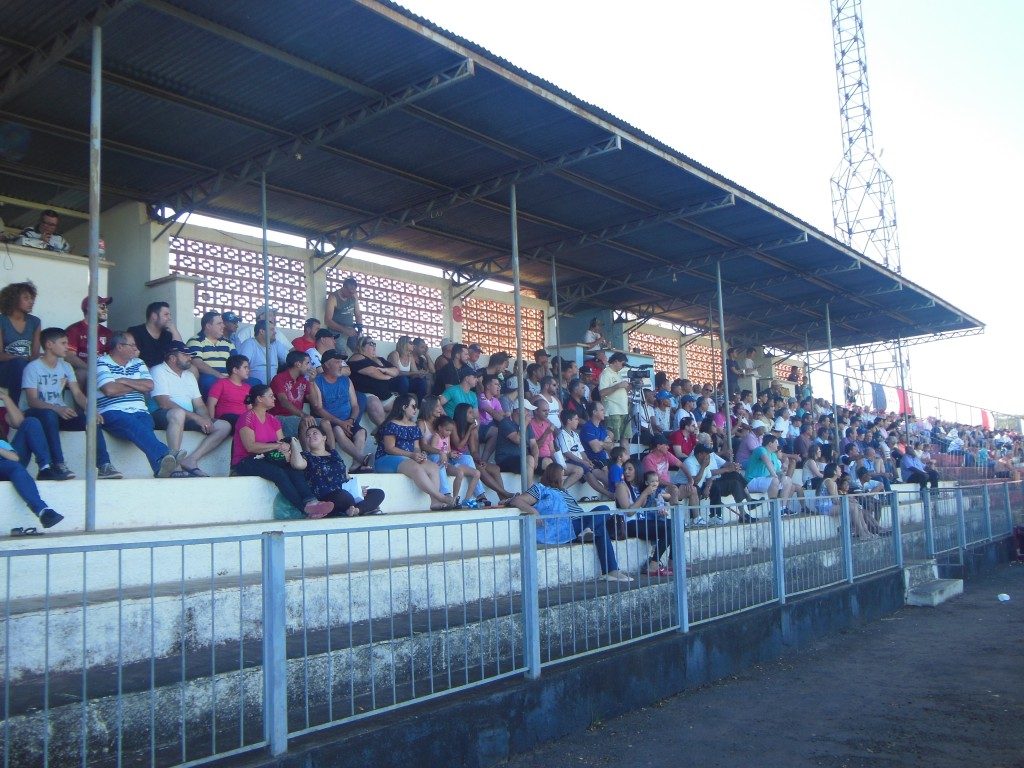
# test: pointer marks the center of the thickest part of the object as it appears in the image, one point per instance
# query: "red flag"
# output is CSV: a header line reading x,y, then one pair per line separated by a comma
x,y
986,420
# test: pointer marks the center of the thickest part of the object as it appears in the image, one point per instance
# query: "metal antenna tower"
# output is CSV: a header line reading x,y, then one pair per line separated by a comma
x,y
863,206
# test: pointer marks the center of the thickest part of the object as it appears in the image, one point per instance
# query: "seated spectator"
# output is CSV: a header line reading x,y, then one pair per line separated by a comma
x,y
561,520
46,381
466,444
644,514
343,315
549,394
749,440
260,450
596,440
863,524
293,390
568,372
180,407
448,373
231,323
490,412
12,471
507,451
463,392
410,377
543,359
124,381
328,477
452,462
875,468
155,335
339,407
44,234
543,433
764,473
447,351
307,340
473,353
226,400
29,441
210,351
660,461
398,450
570,445
714,477
913,470
372,377
661,415
532,384
256,348
323,341
19,334
684,439
577,401
497,365
812,474
78,338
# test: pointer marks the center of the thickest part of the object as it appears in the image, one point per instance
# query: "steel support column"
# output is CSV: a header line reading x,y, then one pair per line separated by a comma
x,y
558,322
832,379
266,274
903,389
95,145
725,357
524,470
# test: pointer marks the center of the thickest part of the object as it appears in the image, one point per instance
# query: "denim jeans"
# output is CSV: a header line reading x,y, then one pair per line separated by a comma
x,y
10,376
290,482
23,483
30,441
53,425
136,428
603,544
416,385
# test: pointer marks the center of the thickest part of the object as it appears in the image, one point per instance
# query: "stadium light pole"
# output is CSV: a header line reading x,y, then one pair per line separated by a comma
x,y
266,274
725,356
524,472
95,137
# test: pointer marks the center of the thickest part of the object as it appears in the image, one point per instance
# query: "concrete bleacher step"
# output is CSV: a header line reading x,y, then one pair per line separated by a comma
x,y
916,572
935,592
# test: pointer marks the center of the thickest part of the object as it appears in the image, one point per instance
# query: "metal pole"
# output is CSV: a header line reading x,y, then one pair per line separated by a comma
x,y
266,274
1009,512
961,525
846,537
807,367
778,551
558,322
679,567
725,358
95,144
524,470
275,661
986,506
832,381
531,598
929,528
903,389
897,527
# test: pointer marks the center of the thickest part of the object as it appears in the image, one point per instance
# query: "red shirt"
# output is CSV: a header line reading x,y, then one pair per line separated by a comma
x,y
287,388
230,397
78,339
303,344
686,442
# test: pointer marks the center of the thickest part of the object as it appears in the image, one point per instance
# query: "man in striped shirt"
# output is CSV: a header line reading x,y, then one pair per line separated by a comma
x,y
210,351
124,381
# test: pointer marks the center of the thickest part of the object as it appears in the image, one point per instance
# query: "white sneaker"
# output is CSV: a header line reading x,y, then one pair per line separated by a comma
x,y
699,521
718,520
617,576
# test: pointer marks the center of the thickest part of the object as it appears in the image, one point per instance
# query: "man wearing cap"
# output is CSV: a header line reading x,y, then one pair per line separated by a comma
x,y
124,381
446,354
256,350
180,407
210,351
78,338
339,407
307,340
750,441
231,323
293,390
506,452
614,388
154,336
322,342
463,392
473,352
343,315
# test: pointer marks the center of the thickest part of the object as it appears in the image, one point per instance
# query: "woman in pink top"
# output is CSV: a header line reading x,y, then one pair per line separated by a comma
x,y
226,399
260,450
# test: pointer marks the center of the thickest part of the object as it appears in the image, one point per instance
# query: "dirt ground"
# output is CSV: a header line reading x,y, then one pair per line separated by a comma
x,y
930,687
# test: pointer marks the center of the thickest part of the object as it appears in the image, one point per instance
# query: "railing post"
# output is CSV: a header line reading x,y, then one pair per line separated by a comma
x,y
846,537
679,567
778,551
961,524
929,528
275,660
531,598
897,527
1009,512
986,504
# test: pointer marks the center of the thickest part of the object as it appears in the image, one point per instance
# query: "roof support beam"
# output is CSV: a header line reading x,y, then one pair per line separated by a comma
x,y
248,170
34,65
365,231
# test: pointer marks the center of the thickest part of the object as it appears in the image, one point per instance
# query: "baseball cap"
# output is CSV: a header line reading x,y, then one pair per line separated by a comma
x,y
465,371
100,299
663,394
511,383
446,343
174,347
759,425
332,354
265,309
326,333
231,317
474,347
527,405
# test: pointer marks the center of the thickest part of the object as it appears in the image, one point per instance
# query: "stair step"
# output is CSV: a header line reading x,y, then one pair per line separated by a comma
x,y
935,592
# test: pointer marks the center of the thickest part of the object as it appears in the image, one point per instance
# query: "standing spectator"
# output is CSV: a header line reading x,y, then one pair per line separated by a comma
x,y
260,450
411,378
307,340
12,471
398,450
372,377
46,381
155,335
593,337
44,234
327,477
210,351
293,390
180,407
124,381
255,350
226,399
78,338
19,334
614,388
339,407
322,342
343,315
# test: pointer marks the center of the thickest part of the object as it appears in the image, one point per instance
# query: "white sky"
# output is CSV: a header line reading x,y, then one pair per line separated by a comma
x,y
748,89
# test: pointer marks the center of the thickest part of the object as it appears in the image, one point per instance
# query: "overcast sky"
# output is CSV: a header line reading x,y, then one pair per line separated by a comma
x,y
748,88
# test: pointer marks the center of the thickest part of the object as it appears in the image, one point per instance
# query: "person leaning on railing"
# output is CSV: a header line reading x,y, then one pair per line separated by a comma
x,y
561,520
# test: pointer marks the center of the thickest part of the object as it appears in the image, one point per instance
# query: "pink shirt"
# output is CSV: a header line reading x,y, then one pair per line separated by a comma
x,y
660,462
230,397
264,431
546,444
486,418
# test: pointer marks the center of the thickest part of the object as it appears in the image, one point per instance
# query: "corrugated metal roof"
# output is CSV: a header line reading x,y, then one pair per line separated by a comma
x,y
195,88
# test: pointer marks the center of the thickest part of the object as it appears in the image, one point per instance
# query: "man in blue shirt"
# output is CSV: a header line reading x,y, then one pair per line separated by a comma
x,y
596,441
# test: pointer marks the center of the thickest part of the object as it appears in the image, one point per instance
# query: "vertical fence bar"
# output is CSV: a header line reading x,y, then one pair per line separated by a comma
x,y
531,599
1009,511
986,505
95,154
778,552
961,525
275,680
846,538
929,528
897,527
679,567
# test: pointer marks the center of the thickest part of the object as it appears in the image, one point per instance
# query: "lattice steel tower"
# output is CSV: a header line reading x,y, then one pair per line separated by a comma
x,y
863,207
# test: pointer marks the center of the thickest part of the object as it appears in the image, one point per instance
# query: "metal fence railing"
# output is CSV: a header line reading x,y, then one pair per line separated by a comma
x,y
177,652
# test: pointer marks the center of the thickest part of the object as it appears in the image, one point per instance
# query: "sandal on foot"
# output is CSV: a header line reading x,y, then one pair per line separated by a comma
x,y
31,531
